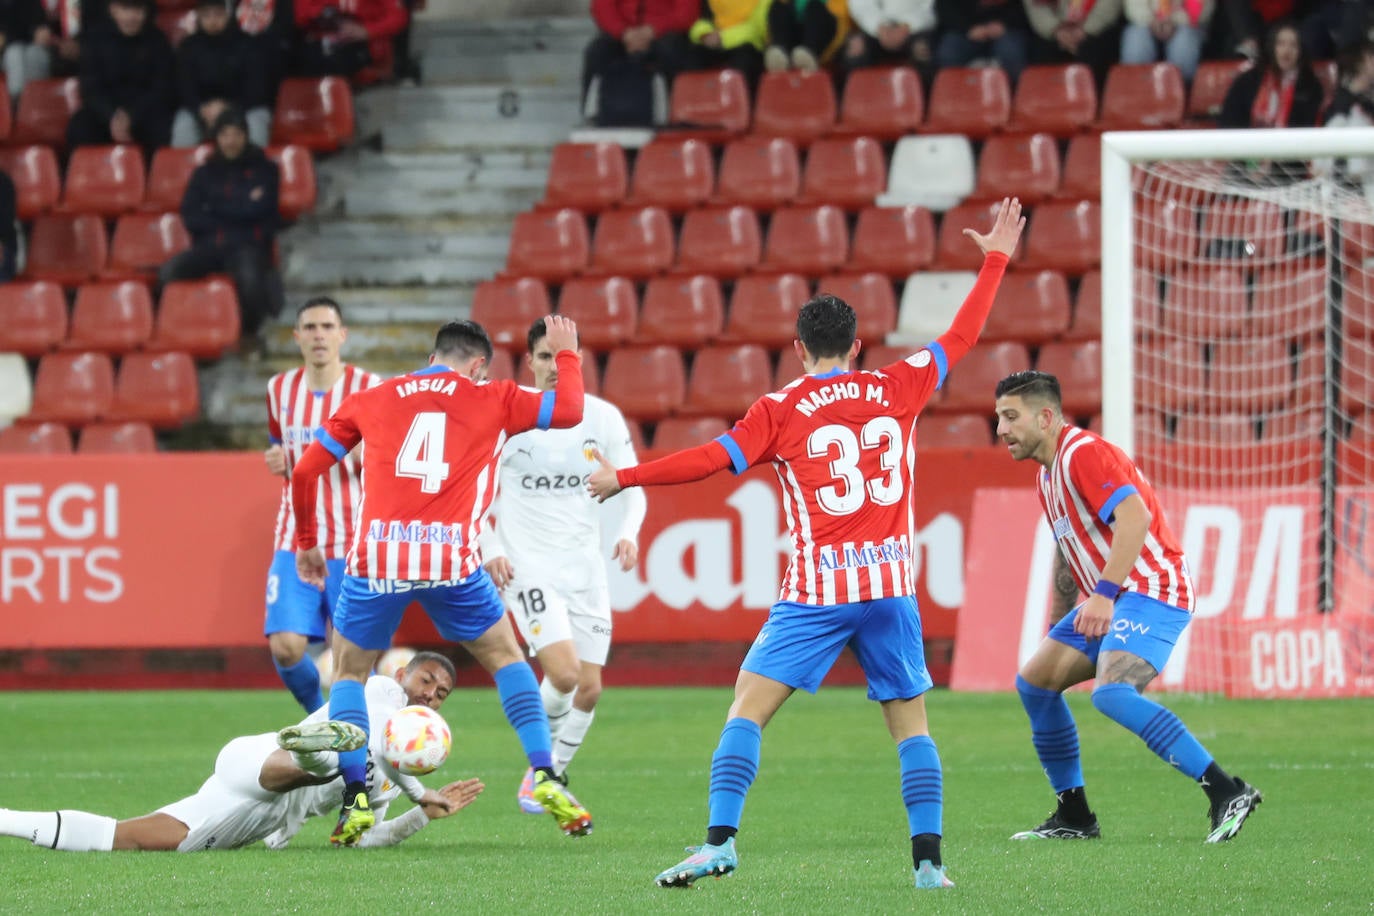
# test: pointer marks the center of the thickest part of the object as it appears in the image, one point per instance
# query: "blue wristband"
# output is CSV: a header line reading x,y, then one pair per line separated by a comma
x,y
1108,590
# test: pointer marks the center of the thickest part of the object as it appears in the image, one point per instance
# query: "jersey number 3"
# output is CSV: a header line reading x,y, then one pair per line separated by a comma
x,y
851,489
422,454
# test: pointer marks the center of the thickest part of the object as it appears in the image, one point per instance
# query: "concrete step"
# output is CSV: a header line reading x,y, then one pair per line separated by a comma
x,y
466,103
477,135
528,52
384,305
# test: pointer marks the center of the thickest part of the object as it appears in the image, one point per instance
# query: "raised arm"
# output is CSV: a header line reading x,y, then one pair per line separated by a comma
x,y
997,247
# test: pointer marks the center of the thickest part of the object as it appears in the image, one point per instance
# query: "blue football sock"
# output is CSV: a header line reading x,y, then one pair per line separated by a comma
x,y
1053,733
1159,728
348,703
303,680
519,692
733,768
922,785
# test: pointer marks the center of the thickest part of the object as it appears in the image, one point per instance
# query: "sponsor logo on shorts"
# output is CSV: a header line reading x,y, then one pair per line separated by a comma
x,y
397,586
599,630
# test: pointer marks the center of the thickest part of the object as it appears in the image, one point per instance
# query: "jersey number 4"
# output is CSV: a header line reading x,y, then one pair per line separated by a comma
x,y
422,454
851,489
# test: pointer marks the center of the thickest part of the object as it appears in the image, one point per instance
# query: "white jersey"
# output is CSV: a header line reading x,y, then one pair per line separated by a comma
x,y
545,519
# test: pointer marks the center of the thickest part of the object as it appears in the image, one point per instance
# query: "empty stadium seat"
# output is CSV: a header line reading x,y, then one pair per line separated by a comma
x,y
882,102
296,190
1082,173
316,113
1087,309
759,172
33,317
132,438
930,171
970,385
713,103
685,311
848,172
1170,375
810,240
1292,302
35,439
1020,165
674,433
929,302
45,107
1357,304
673,174
1142,97
635,243
66,249
871,297
972,101
1251,376
955,251
113,317
795,104
764,307
646,383
72,388
502,366
104,180
1078,366
1216,429
16,388
1167,233
143,242
170,173
606,310
1032,307
726,380
1064,235
895,241
957,430
157,388
725,241
507,307
1243,230
788,370
548,244
1059,99
199,317
37,180
1210,85
876,357
586,176
1205,302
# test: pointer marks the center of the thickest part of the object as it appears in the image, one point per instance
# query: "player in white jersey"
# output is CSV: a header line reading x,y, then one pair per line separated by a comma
x,y
545,555
298,401
260,791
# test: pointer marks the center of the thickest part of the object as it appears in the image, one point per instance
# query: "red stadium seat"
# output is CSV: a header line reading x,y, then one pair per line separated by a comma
x,y
1205,302
517,368
33,317
896,241
956,430
1216,429
812,240
875,357
673,174
1078,366
296,192
1142,97
847,172
72,388
684,311
973,101
1024,166
1243,230
507,307
1356,379
788,370
726,380
315,113
1087,308
586,176
1251,376
169,174
760,172
37,180
143,242
1357,304
1064,235
66,249
646,383
714,103
1032,307
158,388
872,298
1170,376
550,245
724,241
104,180
45,106
954,250
674,433
971,383
130,438
502,366
882,102
199,317
1082,169
35,439
795,104
764,309
636,243
1166,233
1291,425
1059,99
112,317
1210,85
606,310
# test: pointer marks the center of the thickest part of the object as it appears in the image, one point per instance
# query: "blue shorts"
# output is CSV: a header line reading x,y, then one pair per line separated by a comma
x,y
1141,626
800,642
294,606
370,610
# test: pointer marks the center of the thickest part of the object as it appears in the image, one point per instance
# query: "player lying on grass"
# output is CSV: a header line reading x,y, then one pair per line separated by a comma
x,y
260,791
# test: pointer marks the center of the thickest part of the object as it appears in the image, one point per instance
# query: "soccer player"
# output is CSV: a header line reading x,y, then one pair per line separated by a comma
x,y
545,556
260,791
298,401
1116,544
433,440
842,444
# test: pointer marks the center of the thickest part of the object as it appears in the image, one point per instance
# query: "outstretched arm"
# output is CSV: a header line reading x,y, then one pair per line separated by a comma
x,y
997,247
683,466
456,796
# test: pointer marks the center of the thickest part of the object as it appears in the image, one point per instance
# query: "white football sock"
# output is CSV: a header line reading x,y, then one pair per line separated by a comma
x,y
569,739
317,763
556,706
69,831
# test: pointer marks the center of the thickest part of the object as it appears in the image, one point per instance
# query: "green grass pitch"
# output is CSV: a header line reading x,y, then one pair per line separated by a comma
x,y
824,830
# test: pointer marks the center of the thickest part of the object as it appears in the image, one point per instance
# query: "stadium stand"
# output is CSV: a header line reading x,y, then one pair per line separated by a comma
x,y
714,104
958,430
797,105
72,388
846,172
1018,165
881,102
606,310
1078,366
759,172
724,241
1032,307
1142,97
33,317
37,179
200,317
681,310
646,383
114,317
895,241
66,249
45,107
160,389
764,309
507,307
296,193
104,180
813,240
1062,235
726,379
129,438
586,176
675,174
972,101
35,439
315,113
636,243
1058,99
551,245
970,384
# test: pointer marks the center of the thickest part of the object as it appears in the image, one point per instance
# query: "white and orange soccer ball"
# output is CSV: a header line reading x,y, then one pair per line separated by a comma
x,y
416,740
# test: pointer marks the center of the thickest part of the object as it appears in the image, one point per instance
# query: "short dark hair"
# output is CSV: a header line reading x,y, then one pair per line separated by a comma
x,y
443,661
315,302
462,339
537,332
826,326
1032,385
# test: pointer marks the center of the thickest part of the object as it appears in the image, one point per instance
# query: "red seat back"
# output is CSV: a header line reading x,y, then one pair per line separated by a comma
x,y
200,317
634,243
646,383
35,439
587,176
714,99
681,310
131,438
896,241
1065,235
37,180
1032,307
170,173
72,388
673,174
847,172
726,380
1210,85
760,172
1059,99
606,310
884,102
724,241
45,107
296,190
66,249
674,433
954,250
33,317
971,383
158,388
143,242
1078,366
764,309
104,180
974,101
1018,165
1082,169
809,240
795,104
1142,97
550,245
315,112
507,307
111,316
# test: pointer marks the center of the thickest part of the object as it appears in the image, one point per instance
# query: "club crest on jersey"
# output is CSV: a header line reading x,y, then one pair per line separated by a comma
x,y
589,449
1062,529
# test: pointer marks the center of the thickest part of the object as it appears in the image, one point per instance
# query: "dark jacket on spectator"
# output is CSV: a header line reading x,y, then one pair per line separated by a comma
x,y
135,73
1240,99
19,18
226,66
962,15
615,16
9,236
219,209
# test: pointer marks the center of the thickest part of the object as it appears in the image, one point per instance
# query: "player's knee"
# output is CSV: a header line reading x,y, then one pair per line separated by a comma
x,y
587,694
1110,699
563,678
287,648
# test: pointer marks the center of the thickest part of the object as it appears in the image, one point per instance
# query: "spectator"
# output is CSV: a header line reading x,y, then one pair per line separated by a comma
x,y
805,33
1076,31
66,21
1247,20
127,81
1169,29
272,26
230,210
9,231
341,37
730,35
1333,25
1353,106
218,66
974,29
635,38
1281,91
25,36
891,32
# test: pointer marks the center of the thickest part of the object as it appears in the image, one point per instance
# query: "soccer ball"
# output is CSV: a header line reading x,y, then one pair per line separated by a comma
x,y
394,660
416,740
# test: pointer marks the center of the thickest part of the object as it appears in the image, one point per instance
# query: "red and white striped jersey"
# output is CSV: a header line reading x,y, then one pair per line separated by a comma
x,y
1089,479
294,412
843,447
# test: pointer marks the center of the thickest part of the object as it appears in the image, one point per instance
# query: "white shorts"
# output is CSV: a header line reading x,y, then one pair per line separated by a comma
x,y
231,809
547,614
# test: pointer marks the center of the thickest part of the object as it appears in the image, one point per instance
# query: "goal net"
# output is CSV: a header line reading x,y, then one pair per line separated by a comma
x,y
1238,368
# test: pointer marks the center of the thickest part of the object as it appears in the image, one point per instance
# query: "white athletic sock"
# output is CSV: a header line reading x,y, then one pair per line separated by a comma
x,y
556,706
69,831
317,763
569,739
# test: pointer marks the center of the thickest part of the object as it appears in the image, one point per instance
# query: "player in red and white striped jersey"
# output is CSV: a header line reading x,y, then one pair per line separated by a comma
x,y
1116,545
298,401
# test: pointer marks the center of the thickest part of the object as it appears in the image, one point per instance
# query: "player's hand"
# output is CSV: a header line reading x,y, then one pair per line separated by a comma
x,y
601,483
627,552
275,456
310,567
1094,617
452,798
562,333
1006,229
500,570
